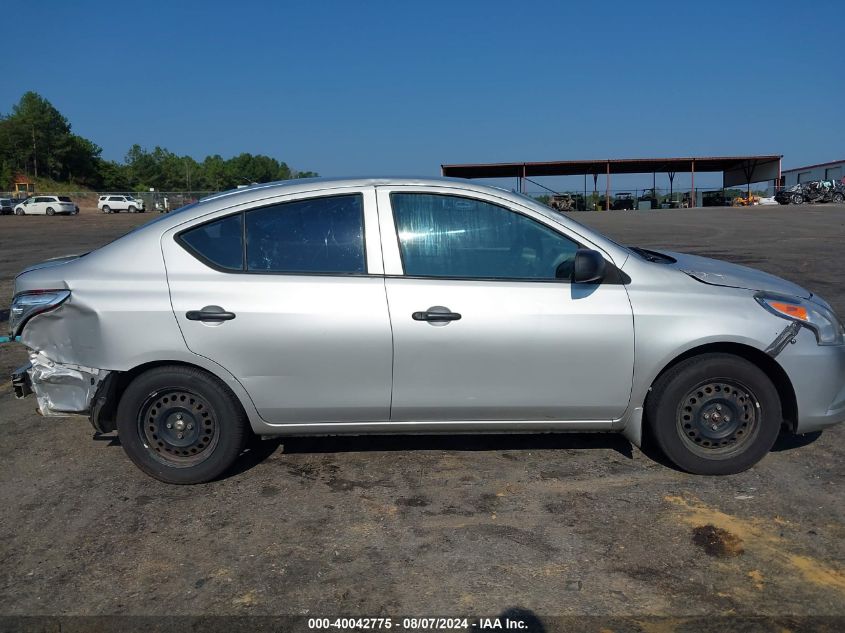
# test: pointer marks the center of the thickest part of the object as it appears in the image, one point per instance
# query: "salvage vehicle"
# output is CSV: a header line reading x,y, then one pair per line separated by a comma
x,y
567,202
813,191
623,202
651,197
325,307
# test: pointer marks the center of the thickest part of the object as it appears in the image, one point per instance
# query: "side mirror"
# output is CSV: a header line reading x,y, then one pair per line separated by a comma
x,y
588,268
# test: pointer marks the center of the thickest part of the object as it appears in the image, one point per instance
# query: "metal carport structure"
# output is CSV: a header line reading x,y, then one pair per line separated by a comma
x,y
736,170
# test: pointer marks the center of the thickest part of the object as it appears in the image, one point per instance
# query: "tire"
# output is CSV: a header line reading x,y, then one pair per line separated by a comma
x,y
797,198
132,210
208,429
685,402
838,198
50,211
20,212
106,209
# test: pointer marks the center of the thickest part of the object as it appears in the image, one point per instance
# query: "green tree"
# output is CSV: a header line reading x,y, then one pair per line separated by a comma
x,y
36,138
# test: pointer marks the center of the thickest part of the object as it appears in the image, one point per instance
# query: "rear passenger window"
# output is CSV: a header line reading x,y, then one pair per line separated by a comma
x,y
318,235
218,243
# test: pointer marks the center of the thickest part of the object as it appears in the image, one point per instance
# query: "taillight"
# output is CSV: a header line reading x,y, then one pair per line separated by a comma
x,y
26,305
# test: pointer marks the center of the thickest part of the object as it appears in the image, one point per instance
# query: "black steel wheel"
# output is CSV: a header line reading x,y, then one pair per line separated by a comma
x,y
714,414
718,417
178,427
181,424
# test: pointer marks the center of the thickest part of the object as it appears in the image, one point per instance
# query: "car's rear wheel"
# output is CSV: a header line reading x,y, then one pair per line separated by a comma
x,y
838,198
714,414
797,198
181,425
51,211
106,209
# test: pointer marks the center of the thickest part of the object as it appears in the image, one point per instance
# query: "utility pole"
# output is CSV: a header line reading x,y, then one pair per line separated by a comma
x,y
34,153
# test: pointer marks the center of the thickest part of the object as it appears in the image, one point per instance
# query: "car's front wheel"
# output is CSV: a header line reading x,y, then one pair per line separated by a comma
x,y
132,210
714,414
181,425
19,211
838,198
797,199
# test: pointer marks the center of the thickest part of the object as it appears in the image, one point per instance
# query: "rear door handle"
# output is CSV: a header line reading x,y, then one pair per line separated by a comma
x,y
436,314
209,313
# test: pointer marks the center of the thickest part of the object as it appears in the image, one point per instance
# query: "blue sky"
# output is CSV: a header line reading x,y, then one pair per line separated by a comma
x,y
349,88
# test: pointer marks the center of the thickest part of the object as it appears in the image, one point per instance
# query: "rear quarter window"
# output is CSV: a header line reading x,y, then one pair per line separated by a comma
x,y
218,244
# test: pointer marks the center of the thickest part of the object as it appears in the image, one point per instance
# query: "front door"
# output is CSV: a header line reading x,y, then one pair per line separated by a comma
x,y
286,297
486,324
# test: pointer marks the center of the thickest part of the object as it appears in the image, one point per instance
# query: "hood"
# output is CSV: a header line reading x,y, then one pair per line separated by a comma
x,y
48,263
719,273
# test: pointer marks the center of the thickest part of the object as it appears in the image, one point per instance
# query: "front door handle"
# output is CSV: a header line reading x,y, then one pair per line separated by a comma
x,y
436,314
209,313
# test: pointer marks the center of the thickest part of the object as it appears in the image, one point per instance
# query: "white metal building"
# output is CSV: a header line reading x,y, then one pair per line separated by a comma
x,y
834,170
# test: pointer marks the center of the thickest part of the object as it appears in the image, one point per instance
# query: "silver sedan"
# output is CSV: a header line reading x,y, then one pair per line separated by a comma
x,y
390,306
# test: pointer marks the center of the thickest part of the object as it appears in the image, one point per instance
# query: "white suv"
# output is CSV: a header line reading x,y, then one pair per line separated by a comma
x,y
115,204
46,205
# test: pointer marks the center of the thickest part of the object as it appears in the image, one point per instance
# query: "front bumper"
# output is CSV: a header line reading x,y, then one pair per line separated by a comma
x,y
817,373
61,389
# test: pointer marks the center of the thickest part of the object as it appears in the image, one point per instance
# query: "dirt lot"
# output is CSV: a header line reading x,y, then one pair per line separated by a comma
x,y
563,525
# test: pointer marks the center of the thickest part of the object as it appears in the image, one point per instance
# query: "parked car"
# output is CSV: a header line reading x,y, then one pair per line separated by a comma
x,y
47,205
813,191
115,204
7,206
401,305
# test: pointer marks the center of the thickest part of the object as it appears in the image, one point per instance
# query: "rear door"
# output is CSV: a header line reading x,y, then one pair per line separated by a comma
x,y
299,278
486,325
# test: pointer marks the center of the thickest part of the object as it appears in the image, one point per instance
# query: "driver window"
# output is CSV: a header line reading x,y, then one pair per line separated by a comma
x,y
456,237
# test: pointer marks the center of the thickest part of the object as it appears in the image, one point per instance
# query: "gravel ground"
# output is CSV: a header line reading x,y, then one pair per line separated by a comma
x,y
555,525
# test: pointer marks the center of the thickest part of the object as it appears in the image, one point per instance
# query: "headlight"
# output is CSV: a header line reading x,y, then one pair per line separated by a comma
x,y
821,320
27,304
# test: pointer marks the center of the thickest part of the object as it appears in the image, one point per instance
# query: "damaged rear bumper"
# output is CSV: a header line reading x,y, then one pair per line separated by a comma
x,y
61,389
20,381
